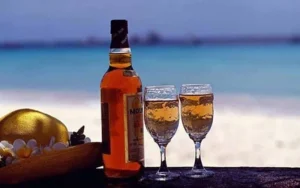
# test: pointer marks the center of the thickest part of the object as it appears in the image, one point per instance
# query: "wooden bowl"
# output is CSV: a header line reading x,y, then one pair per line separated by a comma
x,y
84,156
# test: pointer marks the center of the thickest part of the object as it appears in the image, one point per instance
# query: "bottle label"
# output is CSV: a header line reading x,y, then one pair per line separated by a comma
x,y
105,128
129,73
134,133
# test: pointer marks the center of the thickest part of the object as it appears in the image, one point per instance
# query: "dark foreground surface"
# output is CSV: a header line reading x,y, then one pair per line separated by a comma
x,y
224,177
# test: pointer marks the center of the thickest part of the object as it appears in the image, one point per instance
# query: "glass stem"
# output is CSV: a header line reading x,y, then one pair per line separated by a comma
x,y
198,163
163,162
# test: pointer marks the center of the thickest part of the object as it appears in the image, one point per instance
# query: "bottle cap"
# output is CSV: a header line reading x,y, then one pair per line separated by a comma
x,y
118,26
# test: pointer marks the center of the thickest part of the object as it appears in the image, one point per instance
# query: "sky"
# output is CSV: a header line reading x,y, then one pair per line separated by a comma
x,y
78,19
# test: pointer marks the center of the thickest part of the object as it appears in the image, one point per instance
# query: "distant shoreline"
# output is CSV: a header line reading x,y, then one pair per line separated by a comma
x,y
151,41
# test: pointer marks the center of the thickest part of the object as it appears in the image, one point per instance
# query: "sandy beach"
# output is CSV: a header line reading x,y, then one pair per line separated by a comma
x,y
247,130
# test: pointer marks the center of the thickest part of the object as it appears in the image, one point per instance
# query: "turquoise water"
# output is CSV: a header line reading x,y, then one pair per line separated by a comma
x,y
251,69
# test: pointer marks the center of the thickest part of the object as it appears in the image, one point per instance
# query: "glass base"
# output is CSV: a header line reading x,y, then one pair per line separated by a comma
x,y
202,173
163,176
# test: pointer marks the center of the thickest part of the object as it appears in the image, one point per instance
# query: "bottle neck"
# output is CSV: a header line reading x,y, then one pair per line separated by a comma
x,y
120,52
119,40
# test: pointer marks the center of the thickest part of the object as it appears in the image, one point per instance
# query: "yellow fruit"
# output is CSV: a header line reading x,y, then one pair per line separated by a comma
x,y
29,124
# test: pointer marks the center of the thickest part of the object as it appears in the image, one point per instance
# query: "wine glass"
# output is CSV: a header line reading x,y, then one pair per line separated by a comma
x,y
161,115
197,114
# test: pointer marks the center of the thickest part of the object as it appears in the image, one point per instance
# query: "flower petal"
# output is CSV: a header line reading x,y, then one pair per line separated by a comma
x,y
47,149
52,141
24,152
59,146
32,143
8,160
2,146
6,144
18,144
36,151
6,152
87,140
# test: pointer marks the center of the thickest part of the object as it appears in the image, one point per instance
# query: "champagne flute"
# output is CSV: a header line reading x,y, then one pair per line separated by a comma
x,y
161,115
197,117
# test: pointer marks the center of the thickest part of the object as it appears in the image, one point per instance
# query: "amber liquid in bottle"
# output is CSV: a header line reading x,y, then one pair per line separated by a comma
x,y
121,110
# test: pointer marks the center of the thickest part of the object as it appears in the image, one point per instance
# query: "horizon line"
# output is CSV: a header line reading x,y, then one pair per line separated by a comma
x,y
153,39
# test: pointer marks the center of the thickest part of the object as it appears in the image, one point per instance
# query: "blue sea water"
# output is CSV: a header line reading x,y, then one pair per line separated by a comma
x,y
252,69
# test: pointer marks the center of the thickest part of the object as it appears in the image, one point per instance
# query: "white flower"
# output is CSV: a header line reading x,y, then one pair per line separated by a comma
x,y
23,150
6,149
54,146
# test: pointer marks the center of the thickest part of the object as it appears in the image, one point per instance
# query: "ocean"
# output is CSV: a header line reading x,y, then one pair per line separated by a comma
x,y
257,96
252,69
